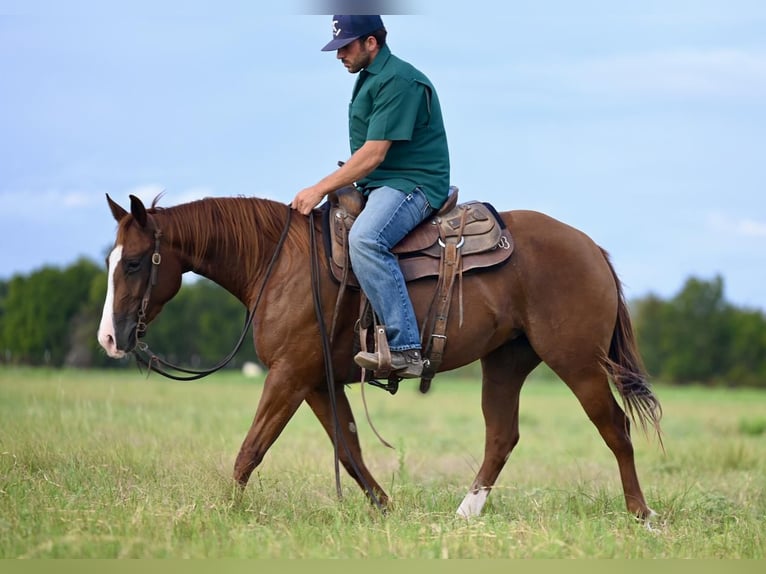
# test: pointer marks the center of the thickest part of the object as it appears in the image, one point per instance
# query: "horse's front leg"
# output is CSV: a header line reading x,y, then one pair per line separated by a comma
x,y
349,451
281,397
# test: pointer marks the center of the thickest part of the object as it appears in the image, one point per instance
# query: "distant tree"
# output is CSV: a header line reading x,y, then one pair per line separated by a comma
x,y
747,349
698,337
51,317
698,320
200,326
84,350
39,310
651,320
4,350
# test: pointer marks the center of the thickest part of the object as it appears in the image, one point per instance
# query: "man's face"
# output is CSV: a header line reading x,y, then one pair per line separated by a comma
x,y
355,56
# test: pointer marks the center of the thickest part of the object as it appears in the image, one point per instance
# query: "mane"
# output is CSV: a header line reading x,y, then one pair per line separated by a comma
x,y
243,225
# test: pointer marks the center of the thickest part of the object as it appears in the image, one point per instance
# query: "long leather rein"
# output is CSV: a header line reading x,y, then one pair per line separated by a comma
x,y
337,436
151,360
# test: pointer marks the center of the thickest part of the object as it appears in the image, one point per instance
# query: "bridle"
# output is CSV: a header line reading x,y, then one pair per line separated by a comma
x,y
156,260
145,356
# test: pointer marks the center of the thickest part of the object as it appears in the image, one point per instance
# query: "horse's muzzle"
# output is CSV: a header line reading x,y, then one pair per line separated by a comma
x,y
125,333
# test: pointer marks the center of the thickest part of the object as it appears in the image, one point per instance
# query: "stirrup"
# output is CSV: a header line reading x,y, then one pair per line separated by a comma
x,y
392,385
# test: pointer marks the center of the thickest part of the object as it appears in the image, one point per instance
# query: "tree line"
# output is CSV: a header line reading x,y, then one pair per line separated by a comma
x,y
697,336
50,317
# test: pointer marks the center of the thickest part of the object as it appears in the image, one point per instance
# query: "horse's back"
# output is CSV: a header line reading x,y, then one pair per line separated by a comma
x,y
554,249
528,225
556,289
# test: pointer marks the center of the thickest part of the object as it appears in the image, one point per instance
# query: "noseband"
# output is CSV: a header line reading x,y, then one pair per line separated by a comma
x,y
150,359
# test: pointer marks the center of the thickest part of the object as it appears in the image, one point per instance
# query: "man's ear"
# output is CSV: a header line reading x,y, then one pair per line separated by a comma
x,y
371,43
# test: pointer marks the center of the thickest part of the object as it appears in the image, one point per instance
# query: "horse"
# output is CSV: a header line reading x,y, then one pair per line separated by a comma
x,y
557,300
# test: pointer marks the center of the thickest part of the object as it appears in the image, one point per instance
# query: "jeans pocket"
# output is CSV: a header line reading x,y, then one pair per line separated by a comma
x,y
425,208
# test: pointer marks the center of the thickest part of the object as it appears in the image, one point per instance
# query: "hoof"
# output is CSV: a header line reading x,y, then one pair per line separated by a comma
x,y
650,521
473,503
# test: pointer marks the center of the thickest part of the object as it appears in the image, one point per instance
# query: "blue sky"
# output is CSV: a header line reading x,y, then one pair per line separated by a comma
x,y
643,124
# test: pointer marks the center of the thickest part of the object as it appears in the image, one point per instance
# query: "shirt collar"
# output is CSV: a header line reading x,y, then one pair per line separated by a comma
x,y
380,60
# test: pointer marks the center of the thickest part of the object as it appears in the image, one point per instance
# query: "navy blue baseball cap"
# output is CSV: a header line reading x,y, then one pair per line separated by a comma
x,y
346,29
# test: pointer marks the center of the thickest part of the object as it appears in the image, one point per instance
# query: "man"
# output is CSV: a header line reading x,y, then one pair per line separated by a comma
x,y
400,161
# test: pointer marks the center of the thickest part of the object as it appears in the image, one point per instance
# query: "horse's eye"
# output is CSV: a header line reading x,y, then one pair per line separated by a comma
x,y
132,266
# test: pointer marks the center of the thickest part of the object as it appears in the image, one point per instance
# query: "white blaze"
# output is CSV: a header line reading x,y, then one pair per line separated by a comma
x,y
106,336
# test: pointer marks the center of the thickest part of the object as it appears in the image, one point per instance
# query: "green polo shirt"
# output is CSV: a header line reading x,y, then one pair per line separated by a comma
x,y
394,101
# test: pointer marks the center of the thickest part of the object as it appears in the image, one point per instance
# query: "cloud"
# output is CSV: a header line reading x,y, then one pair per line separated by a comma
x,y
75,199
147,193
747,228
43,206
47,201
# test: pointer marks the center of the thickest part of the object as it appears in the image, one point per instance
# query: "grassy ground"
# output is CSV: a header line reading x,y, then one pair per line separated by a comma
x,y
97,464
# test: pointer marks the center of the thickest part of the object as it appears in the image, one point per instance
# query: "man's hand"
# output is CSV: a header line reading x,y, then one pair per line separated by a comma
x,y
307,199
359,165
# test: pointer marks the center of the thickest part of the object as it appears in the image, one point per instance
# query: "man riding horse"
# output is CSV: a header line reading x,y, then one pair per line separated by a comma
x,y
560,301
400,162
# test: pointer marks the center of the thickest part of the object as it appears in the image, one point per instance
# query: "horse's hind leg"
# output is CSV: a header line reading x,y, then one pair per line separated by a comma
x,y
595,396
503,373
349,451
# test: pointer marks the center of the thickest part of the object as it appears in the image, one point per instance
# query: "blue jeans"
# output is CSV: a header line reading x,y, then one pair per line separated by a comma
x,y
389,215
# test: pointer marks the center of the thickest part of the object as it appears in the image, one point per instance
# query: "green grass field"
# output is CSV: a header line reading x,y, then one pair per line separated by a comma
x,y
106,465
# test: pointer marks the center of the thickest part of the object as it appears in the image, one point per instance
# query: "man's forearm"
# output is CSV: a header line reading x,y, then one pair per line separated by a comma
x,y
361,164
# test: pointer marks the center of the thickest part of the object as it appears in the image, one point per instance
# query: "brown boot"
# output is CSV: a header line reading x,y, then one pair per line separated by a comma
x,y
404,364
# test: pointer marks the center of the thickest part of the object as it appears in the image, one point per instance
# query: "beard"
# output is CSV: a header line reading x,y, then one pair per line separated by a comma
x,y
361,61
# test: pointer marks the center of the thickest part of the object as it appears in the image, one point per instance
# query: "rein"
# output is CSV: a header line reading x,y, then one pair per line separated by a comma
x,y
329,376
151,361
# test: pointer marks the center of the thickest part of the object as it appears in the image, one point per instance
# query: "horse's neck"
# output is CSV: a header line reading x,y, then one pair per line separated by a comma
x,y
222,270
226,267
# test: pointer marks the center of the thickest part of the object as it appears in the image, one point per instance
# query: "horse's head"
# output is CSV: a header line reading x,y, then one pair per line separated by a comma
x,y
143,274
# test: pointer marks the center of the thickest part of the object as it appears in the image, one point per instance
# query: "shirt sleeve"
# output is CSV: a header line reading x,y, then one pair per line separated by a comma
x,y
395,110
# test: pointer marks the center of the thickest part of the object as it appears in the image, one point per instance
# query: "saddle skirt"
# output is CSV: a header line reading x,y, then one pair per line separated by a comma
x,y
474,228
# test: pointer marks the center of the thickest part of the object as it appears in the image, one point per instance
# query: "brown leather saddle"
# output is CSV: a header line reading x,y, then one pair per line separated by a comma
x,y
459,238
484,241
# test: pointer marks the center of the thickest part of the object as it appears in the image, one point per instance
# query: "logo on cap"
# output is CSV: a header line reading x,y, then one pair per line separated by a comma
x,y
335,29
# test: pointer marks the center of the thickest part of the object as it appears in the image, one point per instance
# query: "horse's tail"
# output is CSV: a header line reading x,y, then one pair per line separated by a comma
x,y
625,368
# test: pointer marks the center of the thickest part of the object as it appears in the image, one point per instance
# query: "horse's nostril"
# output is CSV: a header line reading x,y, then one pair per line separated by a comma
x,y
110,340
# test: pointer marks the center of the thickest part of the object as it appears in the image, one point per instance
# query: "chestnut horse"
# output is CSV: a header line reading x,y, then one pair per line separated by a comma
x,y
557,300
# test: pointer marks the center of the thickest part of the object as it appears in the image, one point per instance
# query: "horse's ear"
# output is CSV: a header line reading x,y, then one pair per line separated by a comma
x,y
138,210
117,211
